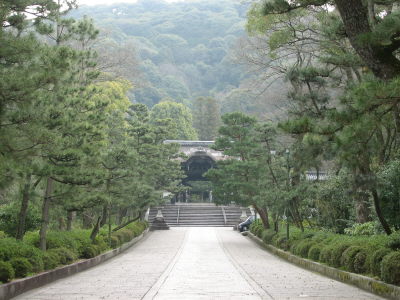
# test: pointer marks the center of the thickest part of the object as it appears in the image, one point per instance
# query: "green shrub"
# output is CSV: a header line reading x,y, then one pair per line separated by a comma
x,y
124,235
348,257
297,235
2,234
374,263
101,243
326,253
6,271
11,248
337,252
65,255
90,251
37,262
314,252
137,227
121,236
293,246
368,228
115,243
303,247
81,239
51,259
360,262
275,238
267,235
127,235
21,266
322,237
59,239
257,228
282,243
391,268
136,231
394,241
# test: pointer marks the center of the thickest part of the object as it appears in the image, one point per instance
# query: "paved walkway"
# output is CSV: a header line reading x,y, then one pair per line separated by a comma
x,y
196,263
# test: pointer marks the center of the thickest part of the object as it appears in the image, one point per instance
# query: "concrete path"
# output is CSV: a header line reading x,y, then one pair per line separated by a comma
x,y
196,263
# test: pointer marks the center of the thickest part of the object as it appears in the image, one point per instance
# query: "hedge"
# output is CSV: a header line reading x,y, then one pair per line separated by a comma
x,y
11,248
6,271
22,267
349,258
377,255
375,260
257,228
314,252
21,258
391,268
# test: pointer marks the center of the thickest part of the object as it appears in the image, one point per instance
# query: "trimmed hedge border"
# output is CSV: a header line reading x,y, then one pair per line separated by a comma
x,y
17,287
366,283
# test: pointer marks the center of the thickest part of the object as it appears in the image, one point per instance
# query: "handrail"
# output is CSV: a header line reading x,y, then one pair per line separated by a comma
x,y
177,218
223,212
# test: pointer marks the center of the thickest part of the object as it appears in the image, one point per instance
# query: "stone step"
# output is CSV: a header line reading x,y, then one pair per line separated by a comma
x,y
191,215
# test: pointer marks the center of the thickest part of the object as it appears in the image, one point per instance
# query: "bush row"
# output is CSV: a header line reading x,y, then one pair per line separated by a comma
x,y
376,256
19,259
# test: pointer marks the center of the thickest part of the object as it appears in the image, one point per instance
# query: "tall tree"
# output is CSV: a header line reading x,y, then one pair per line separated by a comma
x,y
206,118
371,31
179,117
238,178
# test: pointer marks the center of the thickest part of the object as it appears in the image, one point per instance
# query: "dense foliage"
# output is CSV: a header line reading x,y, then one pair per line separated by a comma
x,y
183,48
342,117
22,258
74,151
371,256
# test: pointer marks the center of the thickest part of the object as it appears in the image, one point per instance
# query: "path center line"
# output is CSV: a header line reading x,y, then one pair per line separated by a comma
x,y
152,292
259,290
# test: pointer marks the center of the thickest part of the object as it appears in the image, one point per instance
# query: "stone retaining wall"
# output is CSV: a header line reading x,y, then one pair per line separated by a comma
x,y
19,286
366,283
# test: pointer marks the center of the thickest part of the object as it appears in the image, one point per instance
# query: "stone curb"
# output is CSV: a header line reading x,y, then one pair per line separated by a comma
x,y
19,286
366,283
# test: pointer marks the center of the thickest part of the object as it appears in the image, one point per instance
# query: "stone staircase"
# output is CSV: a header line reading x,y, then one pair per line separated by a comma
x,y
199,214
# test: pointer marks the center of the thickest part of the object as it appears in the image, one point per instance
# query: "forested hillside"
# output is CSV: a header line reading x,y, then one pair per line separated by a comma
x,y
183,49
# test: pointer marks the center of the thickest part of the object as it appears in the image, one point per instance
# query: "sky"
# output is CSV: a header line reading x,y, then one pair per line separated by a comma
x,y
97,2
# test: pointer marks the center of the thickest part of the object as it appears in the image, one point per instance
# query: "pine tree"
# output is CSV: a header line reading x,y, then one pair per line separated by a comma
x,y
206,118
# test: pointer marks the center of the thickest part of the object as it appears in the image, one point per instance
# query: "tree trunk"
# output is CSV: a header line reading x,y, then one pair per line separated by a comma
x,y
263,215
70,219
296,217
361,205
276,222
24,208
126,223
360,194
45,213
378,58
103,220
121,214
371,12
109,224
396,119
86,221
295,202
95,230
349,74
61,224
378,210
